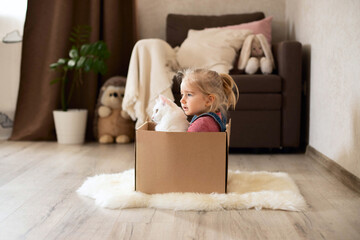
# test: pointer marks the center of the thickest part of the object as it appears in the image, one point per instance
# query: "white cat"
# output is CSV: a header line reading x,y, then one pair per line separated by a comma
x,y
168,116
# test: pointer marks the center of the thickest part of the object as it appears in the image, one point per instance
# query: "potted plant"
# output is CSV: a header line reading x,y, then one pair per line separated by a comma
x,y
70,124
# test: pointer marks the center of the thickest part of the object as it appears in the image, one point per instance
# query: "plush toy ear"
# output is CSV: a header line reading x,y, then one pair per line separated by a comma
x,y
266,48
245,52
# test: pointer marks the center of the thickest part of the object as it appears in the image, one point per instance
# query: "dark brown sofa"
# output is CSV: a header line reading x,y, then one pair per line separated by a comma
x,y
268,111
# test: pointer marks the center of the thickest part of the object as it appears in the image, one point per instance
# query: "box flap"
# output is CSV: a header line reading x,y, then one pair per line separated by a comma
x,y
228,131
147,126
143,126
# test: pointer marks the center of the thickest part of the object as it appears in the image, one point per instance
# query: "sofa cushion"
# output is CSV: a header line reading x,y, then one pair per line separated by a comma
x,y
262,26
220,46
258,83
177,25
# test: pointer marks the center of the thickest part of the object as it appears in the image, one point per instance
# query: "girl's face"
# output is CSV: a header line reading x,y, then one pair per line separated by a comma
x,y
194,102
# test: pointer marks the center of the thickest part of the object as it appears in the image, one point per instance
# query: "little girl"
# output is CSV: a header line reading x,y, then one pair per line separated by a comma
x,y
207,96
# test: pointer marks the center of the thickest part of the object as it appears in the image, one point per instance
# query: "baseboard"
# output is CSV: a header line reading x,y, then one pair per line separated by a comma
x,y
334,168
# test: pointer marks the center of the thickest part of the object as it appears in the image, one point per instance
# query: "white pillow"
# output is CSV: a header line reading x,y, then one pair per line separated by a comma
x,y
212,48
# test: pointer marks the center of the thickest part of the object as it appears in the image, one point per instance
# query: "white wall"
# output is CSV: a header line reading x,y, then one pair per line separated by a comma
x,y
330,30
12,17
151,14
10,55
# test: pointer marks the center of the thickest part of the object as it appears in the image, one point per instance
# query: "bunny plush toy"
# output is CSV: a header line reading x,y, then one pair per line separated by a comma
x,y
255,54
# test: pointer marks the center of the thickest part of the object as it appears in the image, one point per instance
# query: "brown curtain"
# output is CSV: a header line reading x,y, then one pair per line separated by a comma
x,y
46,32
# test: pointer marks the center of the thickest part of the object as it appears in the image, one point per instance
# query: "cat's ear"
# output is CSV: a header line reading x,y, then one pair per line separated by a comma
x,y
164,100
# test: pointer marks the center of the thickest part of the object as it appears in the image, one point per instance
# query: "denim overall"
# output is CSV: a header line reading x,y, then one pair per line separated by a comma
x,y
221,121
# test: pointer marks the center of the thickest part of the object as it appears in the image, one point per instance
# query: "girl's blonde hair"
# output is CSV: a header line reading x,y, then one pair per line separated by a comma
x,y
222,86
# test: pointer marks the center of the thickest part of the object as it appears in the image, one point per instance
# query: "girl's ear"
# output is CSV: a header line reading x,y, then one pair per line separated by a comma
x,y
210,100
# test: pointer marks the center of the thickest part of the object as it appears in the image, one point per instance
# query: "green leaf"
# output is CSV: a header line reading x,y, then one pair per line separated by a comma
x,y
96,65
84,50
90,49
71,63
55,80
54,65
96,45
105,54
102,46
62,61
80,62
74,53
103,68
88,64
87,27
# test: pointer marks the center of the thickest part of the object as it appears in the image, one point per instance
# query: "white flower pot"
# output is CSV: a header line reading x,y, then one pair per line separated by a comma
x,y
70,125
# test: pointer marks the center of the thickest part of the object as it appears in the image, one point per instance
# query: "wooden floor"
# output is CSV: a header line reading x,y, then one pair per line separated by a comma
x,y
38,181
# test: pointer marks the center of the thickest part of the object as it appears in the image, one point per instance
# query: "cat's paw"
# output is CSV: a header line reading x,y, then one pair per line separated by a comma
x,y
104,111
106,139
122,139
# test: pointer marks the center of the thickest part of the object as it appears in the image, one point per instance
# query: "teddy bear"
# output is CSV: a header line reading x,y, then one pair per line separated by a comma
x,y
111,123
256,53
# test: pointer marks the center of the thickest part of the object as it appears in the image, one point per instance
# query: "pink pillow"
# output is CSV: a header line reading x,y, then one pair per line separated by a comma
x,y
262,26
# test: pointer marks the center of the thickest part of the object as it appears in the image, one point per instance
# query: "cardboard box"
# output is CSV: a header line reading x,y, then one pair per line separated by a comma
x,y
180,161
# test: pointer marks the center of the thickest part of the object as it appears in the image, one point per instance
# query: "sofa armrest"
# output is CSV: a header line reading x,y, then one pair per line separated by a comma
x,y
288,58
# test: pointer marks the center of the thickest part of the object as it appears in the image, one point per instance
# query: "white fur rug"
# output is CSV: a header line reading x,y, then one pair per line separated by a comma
x,y
245,190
